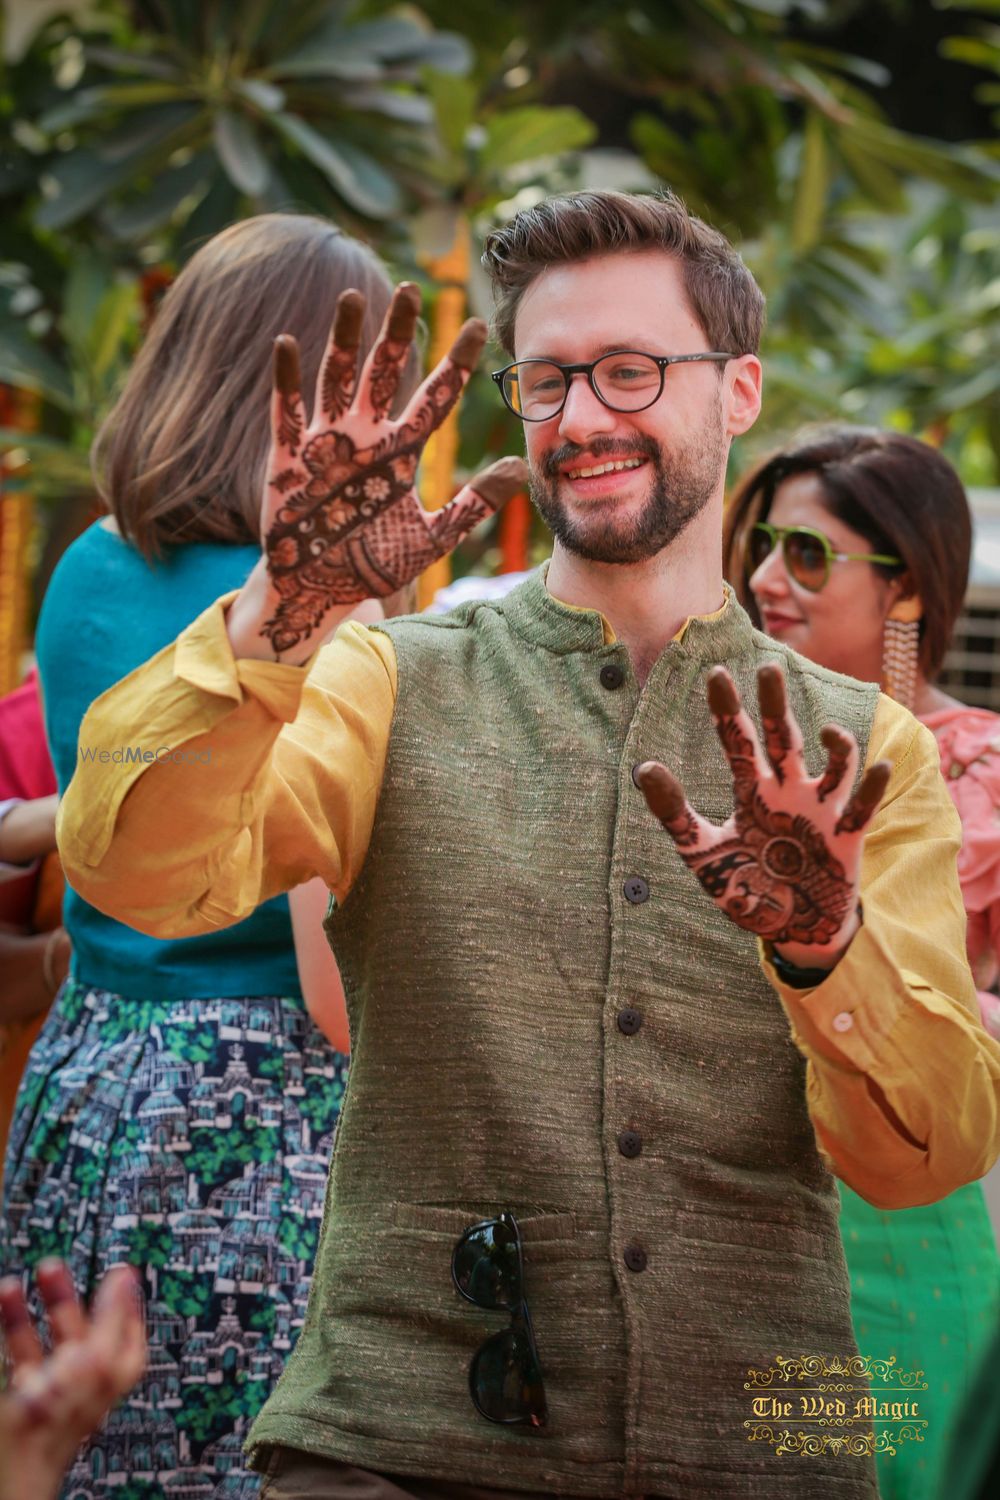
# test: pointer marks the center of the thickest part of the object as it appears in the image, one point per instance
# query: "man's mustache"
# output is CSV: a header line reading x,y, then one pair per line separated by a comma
x,y
550,464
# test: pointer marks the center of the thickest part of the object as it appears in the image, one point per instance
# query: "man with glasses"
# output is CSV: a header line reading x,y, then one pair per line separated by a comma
x,y
582,1186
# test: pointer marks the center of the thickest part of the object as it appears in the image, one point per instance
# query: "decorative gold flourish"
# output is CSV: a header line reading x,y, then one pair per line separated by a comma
x,y
815,1366
854,1444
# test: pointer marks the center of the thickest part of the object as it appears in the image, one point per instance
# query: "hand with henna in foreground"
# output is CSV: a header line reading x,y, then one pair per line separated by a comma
x,y
55,1400
341,520
786,865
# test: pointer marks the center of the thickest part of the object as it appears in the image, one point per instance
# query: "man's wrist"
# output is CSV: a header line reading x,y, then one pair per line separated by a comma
x,y
804,967
253,607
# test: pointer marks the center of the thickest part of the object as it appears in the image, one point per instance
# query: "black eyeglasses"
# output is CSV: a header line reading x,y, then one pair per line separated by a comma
x,y
505,1376
626,380
808,554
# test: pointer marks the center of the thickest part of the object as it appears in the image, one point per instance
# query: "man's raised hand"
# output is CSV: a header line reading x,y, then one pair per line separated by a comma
x,y
785,866
341,519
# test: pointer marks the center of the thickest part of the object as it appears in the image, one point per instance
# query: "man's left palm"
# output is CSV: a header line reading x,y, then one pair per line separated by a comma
x,y
785,866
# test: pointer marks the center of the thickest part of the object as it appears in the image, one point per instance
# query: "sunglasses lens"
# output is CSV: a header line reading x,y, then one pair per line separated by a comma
x,y
487,1265
806,559
759,547
505,1380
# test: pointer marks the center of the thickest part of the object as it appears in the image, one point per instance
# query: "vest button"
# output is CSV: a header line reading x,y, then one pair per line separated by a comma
x,y
629,1021
630,1143
635,1258
636,890
612,676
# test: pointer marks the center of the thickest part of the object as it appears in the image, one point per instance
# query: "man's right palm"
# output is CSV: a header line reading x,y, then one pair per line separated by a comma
x,y
341,518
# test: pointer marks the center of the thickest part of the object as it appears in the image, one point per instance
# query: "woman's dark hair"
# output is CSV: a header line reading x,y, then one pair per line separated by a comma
x,y
181,456
900,494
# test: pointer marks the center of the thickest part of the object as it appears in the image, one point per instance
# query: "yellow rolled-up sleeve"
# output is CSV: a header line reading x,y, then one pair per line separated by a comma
x,y
898,1016
205,785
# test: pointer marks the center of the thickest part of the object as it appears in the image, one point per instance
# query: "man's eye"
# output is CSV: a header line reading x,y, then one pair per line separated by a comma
x,y
626,374
544,385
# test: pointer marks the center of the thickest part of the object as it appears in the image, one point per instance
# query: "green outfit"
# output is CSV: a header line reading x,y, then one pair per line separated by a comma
x,y
925,1288
549,1016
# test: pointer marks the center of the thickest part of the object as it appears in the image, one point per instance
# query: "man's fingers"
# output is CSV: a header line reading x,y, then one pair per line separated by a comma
x,y
288,414
501,481
723,699
866,799
480,498
666,800
735,729
782,736
62,1305
385,364
119,1324
842,760
338,372
20,1336
469,345
442,388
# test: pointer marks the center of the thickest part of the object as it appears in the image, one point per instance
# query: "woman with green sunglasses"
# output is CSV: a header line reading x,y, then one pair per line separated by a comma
x,y
853,546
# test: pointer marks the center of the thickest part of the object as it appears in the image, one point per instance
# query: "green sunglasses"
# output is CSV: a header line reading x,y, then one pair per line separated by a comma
x,y
807,554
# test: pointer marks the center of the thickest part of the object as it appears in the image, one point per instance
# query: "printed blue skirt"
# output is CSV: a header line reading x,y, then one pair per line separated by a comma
x,y
191,1138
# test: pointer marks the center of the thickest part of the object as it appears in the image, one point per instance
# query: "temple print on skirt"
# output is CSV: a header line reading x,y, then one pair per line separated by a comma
x,y
193,1139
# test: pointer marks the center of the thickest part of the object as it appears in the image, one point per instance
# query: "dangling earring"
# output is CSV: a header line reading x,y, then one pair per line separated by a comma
x,y
901,650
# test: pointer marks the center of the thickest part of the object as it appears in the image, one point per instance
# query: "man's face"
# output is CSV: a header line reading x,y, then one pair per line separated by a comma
x,y
678,446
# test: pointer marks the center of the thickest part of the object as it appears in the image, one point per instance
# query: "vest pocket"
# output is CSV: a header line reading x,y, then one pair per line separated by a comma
x,y
427,1218
752,1232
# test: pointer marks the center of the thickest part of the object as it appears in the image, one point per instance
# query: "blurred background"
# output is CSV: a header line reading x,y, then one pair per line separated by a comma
x,y
848,147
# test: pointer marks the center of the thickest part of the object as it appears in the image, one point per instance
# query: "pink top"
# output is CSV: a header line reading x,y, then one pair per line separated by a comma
x,y
969,742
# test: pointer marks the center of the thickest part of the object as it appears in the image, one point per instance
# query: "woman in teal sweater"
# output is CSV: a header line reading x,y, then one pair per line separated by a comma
x,y
178,1108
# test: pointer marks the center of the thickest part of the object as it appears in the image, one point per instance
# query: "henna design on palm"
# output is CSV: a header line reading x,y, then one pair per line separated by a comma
x,y
785,865
349,524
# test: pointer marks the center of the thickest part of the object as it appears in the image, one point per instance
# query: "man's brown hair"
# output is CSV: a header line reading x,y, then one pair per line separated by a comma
x,y
181,457
723,295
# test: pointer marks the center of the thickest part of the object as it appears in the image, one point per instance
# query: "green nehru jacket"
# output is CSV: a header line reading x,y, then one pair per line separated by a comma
x,y
549,1016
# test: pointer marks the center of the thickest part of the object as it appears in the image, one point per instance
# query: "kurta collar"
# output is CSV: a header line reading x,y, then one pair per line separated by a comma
x,y
547,622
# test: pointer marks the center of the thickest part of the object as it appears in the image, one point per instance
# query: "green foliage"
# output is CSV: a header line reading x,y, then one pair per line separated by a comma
x,y
186,1293
321,1101
195,115
149,1244
135,131
209,1412
263,1317
299,1238
194,1044
217,1156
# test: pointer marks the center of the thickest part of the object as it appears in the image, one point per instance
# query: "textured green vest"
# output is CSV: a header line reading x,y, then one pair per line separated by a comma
x,y
489,948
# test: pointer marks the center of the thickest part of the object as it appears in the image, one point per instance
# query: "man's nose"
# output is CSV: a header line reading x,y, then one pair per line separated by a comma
x,y
584,415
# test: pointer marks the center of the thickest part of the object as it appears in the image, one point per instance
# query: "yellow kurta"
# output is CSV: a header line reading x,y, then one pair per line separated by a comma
x,y
273,777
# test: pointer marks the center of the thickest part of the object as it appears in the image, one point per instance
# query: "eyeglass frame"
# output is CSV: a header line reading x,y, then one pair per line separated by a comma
x,y
777,536
519,1311
662,361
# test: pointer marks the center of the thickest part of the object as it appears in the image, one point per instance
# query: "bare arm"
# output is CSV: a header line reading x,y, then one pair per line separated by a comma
x,y
318,972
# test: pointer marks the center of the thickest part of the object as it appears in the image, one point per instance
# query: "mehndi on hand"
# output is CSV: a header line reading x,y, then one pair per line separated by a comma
x,y
785,866
341,519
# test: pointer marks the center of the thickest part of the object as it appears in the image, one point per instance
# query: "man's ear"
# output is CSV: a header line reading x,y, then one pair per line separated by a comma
x,y
743,377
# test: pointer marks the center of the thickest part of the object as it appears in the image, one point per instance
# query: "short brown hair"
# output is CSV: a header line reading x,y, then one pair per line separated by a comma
x,y
723,295
181,456
900,494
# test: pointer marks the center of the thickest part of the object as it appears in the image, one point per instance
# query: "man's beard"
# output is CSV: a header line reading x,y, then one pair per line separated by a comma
x,y
680,486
